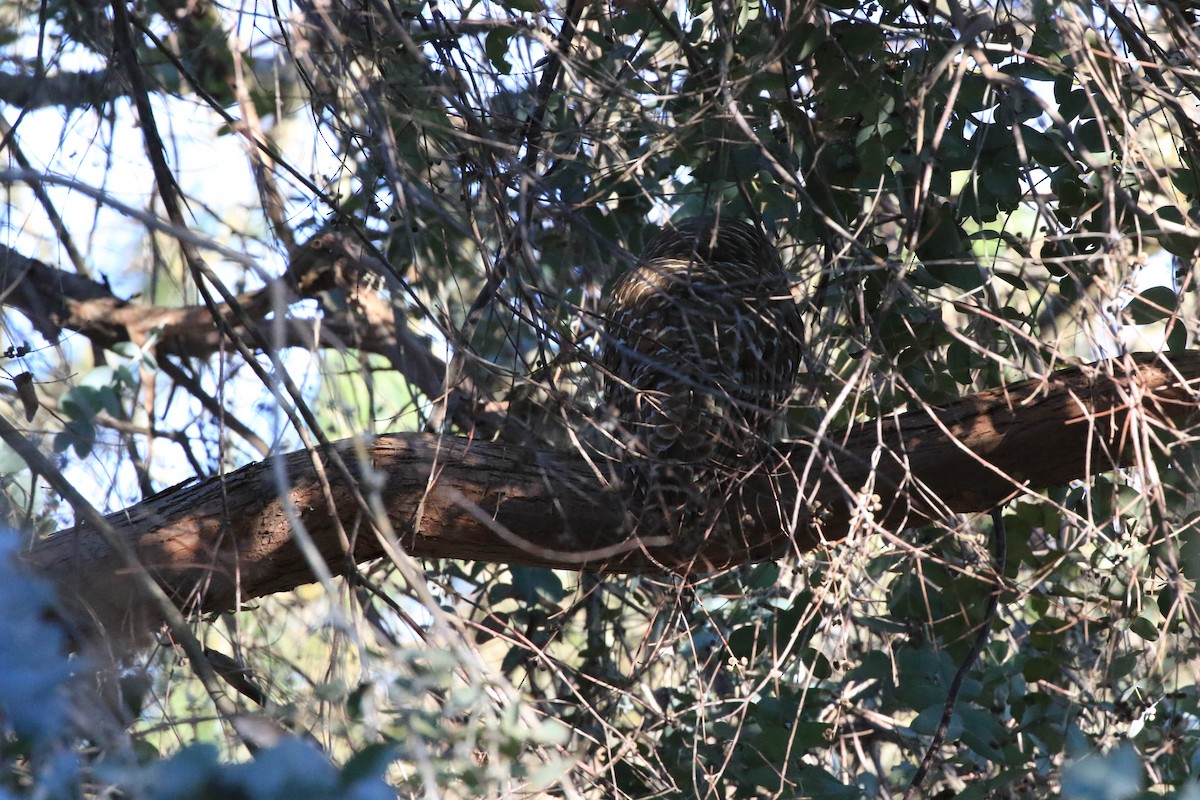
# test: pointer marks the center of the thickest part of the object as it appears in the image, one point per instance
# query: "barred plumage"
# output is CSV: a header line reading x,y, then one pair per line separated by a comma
x,y
702,347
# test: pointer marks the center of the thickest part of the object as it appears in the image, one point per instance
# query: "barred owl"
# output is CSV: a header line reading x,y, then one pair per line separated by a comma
x,y
702,345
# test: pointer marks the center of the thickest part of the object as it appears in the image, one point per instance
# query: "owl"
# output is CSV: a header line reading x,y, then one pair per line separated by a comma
x,y
701,347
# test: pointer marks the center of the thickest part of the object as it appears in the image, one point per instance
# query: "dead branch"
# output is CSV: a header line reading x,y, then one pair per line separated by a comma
x,y
55,300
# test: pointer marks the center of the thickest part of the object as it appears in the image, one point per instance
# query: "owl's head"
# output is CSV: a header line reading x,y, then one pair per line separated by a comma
x,y
714,239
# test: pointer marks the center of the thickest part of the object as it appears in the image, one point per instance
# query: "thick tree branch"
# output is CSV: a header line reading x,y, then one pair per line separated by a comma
x,y
64,89
55,300
228,539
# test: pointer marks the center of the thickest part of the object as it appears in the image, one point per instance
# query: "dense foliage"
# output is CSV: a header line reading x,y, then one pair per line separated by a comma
x,y
965,196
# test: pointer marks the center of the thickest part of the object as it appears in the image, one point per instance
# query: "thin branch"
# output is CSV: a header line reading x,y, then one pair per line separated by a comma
x,y
985,631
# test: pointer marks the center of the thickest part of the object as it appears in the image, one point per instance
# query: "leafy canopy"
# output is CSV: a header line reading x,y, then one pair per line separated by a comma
x,y
965,196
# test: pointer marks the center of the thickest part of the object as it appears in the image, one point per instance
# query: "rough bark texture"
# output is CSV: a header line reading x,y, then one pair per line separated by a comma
x,y
230,538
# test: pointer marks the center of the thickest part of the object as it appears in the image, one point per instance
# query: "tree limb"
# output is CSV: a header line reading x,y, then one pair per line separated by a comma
x,y
55,300
228,540
66,90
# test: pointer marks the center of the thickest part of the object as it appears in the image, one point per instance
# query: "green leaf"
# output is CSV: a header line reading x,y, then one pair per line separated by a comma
x,y
960,360
976,93
78,434
81,403
1179,244
1046,149
1177,338
964,275
763,576
1050,254
1040,668
945,251
1012,280
1073,104
810,735
1092,136
1152,305
818,664
981,732
1144,628
742,641
859,38
928,720
495,46
370,762
1031,70
538,584
1186,181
